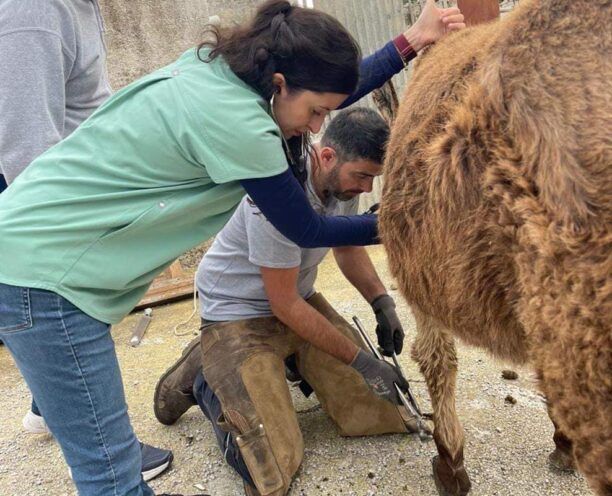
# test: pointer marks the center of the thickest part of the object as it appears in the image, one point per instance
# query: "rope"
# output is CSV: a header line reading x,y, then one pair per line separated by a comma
x,y
185,322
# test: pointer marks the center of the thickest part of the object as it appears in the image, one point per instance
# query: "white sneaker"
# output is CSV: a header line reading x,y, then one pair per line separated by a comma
x,y
34,424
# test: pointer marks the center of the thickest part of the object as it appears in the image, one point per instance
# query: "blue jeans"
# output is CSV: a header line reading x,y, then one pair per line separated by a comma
x,y
69,362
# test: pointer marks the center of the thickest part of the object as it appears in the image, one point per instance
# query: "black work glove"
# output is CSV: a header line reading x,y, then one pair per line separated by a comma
x,y
389,330
380,376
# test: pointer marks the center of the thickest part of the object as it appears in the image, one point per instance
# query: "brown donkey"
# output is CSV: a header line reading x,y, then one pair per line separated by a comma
x,y
497,218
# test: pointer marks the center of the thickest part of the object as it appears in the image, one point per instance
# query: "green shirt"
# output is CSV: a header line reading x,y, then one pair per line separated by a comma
x,y
152,173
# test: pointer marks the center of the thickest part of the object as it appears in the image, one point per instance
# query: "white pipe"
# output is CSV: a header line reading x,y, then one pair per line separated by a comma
x,y
309,4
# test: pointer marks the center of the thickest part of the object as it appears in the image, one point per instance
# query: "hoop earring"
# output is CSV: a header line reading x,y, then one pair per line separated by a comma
x,y
272,106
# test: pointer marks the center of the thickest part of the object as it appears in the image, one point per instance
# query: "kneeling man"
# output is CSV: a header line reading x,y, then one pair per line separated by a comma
x,y
260,311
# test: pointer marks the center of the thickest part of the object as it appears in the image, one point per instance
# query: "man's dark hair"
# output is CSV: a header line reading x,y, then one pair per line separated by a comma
x,y
357,134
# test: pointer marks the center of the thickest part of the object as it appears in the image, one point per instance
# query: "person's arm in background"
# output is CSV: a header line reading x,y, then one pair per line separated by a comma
x,y
279,260
33,71
291,309
355,264
376,69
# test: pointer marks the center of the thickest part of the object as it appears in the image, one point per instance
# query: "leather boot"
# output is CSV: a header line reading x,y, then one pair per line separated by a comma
x,y
173,393
250,490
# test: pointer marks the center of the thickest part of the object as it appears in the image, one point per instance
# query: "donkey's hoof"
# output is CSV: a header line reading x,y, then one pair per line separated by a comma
x,y
562,460
450,481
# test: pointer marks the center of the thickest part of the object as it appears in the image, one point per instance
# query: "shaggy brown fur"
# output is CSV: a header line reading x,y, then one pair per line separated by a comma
x,y
497,215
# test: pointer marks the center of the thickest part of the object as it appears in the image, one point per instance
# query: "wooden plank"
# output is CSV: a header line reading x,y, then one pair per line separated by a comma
x,y
478,11
171,285
166,291
175,270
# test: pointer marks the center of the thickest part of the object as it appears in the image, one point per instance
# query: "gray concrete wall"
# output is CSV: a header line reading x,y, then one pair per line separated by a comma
x,y
372,23
142,35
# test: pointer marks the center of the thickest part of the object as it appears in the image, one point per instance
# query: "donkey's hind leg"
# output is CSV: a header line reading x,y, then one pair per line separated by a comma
x,y
434,351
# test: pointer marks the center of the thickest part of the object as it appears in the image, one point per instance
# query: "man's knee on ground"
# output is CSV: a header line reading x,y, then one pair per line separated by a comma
x,y
262,463
273,449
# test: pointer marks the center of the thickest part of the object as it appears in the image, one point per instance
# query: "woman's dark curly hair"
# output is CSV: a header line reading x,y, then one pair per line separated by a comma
x,y
311,49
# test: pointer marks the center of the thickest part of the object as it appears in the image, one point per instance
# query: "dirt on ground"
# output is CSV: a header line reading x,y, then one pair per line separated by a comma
x,y
191,259
508,433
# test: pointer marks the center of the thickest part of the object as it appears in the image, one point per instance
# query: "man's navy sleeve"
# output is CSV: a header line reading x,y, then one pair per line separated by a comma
x,y
375,71
284,203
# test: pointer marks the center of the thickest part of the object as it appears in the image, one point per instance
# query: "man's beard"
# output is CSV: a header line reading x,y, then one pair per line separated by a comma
x,y
345,195
332,187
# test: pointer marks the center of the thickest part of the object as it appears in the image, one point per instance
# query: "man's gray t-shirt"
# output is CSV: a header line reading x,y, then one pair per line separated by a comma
x,y
229,280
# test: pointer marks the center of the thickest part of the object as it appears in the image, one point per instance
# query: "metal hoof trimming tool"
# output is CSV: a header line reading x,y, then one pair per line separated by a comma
x,y
141,327
407,398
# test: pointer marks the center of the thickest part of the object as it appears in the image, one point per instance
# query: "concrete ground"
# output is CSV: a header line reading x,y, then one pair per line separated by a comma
x,y
506,451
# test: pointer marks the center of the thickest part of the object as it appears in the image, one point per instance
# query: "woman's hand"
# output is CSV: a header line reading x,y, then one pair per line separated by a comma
x,y
432,24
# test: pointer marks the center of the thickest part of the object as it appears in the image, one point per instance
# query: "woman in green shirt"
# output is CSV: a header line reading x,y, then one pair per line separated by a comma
x,y
153,172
